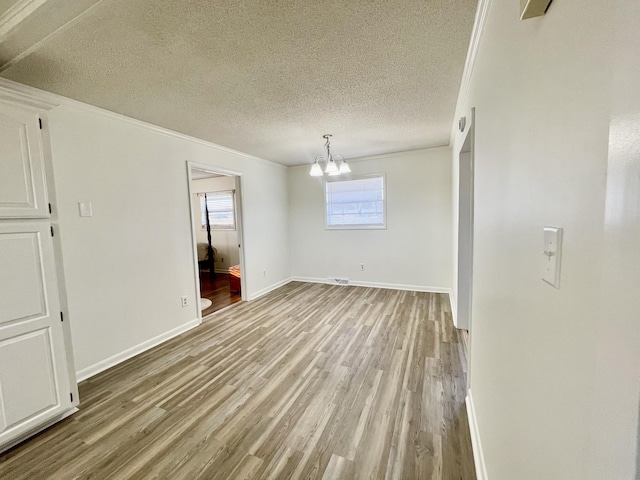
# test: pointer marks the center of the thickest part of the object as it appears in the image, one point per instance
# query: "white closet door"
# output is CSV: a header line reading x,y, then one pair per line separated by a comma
x,y
22,177
34,383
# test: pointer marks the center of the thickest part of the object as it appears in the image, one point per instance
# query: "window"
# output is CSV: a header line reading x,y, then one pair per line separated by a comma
x,y
356,203
222,210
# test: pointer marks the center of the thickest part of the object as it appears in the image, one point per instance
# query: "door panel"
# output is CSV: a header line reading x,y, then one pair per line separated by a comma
x,y
22,181
26,360
20,255
34,383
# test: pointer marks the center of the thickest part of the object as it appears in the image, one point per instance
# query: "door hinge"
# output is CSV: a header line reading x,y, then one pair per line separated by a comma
x,y
71,395
61,317
49,209
52,230
40,123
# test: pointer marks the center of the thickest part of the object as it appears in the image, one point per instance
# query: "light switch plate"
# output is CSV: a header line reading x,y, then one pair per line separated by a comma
x,y
85,209
552,255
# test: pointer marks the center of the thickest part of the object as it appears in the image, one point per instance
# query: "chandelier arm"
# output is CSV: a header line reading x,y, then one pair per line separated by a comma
x,y
330,162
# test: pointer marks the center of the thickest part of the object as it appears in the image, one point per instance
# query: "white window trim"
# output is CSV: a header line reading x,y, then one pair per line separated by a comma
x,y
233,200
358,226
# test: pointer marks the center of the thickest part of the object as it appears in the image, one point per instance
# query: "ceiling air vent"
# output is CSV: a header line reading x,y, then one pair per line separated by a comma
x,y
533,8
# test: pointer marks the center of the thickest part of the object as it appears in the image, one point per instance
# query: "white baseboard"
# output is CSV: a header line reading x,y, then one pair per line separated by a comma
x,y
113,360
391,286
39,428
268,289
478,456
308,279
454,309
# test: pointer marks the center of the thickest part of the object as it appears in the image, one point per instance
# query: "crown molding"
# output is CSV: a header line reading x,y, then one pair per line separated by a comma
x,y
9,93
381,156
474,45
17,13
19,92
29,24
394,154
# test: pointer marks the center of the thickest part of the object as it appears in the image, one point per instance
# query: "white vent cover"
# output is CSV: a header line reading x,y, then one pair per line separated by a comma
x,y
338,281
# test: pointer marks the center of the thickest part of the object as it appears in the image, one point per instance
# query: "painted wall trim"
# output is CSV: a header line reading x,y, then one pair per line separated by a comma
x,y
16,14
19,20
270,288
56,100
133,351
382,155
478,456
8,93
474,45
39,428
390,286
454,311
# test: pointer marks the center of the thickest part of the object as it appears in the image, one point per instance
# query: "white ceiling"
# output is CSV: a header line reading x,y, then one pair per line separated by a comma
x,y
267,78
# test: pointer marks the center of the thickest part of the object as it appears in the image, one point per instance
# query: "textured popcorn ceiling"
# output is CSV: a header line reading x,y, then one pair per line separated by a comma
x,y
267,78
6,5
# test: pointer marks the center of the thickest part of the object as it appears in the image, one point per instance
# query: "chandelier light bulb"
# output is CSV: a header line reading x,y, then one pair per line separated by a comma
x,y
316,170
332,168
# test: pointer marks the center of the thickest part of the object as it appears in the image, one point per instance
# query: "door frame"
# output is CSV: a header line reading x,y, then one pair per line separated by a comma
x,y
466,192
239,226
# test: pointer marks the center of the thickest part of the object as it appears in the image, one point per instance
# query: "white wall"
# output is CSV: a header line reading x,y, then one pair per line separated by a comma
x,y
541,89
128,265
415,249
615,426
224,241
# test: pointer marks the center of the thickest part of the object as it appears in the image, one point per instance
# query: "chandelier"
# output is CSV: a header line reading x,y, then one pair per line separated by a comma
x,y
331,167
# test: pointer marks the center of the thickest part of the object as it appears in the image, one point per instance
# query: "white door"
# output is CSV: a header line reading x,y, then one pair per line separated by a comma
x,y
34,383
34,371
22,179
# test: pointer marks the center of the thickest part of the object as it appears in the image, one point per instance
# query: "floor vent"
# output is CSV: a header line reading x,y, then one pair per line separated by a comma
x,y
338,281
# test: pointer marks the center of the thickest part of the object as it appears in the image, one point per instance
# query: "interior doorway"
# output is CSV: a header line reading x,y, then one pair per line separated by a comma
x,y
465,234
216,219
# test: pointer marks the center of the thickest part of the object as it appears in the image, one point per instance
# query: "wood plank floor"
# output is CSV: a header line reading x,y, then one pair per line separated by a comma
x,y
310,381
217,290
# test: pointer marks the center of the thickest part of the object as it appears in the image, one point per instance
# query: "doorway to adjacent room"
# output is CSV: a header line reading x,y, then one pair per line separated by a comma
x,y
216,218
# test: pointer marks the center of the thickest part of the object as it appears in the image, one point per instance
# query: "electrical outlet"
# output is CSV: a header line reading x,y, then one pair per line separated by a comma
x,y
362,267
264,273
185,301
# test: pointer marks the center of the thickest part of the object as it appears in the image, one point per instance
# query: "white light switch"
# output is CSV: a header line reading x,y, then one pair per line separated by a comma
x,y
85,209
552,253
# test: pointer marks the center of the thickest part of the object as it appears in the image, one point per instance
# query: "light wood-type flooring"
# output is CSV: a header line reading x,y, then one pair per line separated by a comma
x,y
309,381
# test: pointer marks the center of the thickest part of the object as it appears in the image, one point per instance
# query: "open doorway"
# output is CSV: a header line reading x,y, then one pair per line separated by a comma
x,y
465,236
216,223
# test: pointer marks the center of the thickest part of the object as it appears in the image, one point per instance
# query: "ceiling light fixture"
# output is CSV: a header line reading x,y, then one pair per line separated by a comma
x,y
332,167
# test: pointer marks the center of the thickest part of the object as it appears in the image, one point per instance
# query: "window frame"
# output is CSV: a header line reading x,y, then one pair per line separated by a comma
x,y
233,204
383,226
